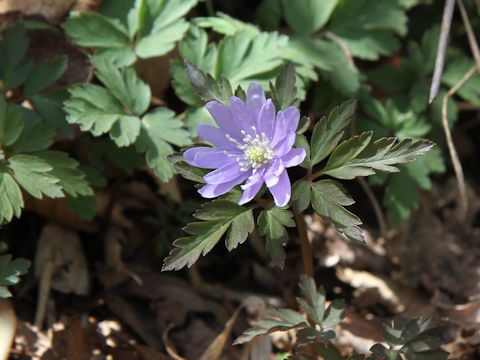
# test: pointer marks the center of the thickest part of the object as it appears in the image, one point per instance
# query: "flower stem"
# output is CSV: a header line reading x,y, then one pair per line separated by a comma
x,y
210,9
307,257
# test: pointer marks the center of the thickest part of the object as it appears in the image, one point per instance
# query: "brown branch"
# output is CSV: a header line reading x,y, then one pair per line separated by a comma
x,y
441,49
472,41
307,256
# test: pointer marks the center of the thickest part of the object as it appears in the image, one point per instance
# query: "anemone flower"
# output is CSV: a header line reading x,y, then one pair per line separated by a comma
x,y
252,145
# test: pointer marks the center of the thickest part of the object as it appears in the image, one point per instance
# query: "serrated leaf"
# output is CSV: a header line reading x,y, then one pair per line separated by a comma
x,y
159,130
329,131
65,169
274,320
13,68
328,201
368,28
334,313
124,85
302,194
206,87
33,174
93,30
11,123
329,351
43,75
241,58
225,24
10,270
218,216
284,93
11,199
96,110
35,136
272,223
359,156
153,29
308,16
312,301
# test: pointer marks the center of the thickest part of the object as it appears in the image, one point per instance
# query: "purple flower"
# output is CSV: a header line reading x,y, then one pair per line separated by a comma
x,y
252,145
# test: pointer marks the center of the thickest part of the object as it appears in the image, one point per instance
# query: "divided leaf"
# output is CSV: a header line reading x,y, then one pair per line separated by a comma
x,y
159,129
308,16
152,29
274,320
284,93
10,272
13,68
329,131
11,200
329,199
217,217
368,28
272,223
359,156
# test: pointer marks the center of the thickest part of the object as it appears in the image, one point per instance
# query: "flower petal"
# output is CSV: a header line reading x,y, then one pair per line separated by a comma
x,y
266,119
213,190
284,145
223,116
281,191
273,172
206,157
294,157
258,175
215,136
225,173
285,124
250,192
255,98
244,119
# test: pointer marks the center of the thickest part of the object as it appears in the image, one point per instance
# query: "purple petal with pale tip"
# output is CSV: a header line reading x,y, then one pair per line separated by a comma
x,y
250,192
281,191
266,119
294,157
243,118
227,172
213,190
206,157
273,172
215,136
223,116
255,98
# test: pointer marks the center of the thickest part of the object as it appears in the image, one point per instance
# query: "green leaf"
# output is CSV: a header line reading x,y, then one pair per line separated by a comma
x,y
284,93
35,136
359,156
224,24
83,206
272,223
13,68
164,26
206,87
10,272
43,75
368,28
109,36
329,131
334,313
11,123
308,16
329,199
302,194
159,131
217,217
33,174
241,58
153,29
455,71
65,169
312,301
273,320
96,110
11,199
124,85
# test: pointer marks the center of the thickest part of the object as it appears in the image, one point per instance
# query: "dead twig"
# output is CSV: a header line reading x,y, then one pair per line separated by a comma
x,y
441,49
376,206
472,41
457,166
